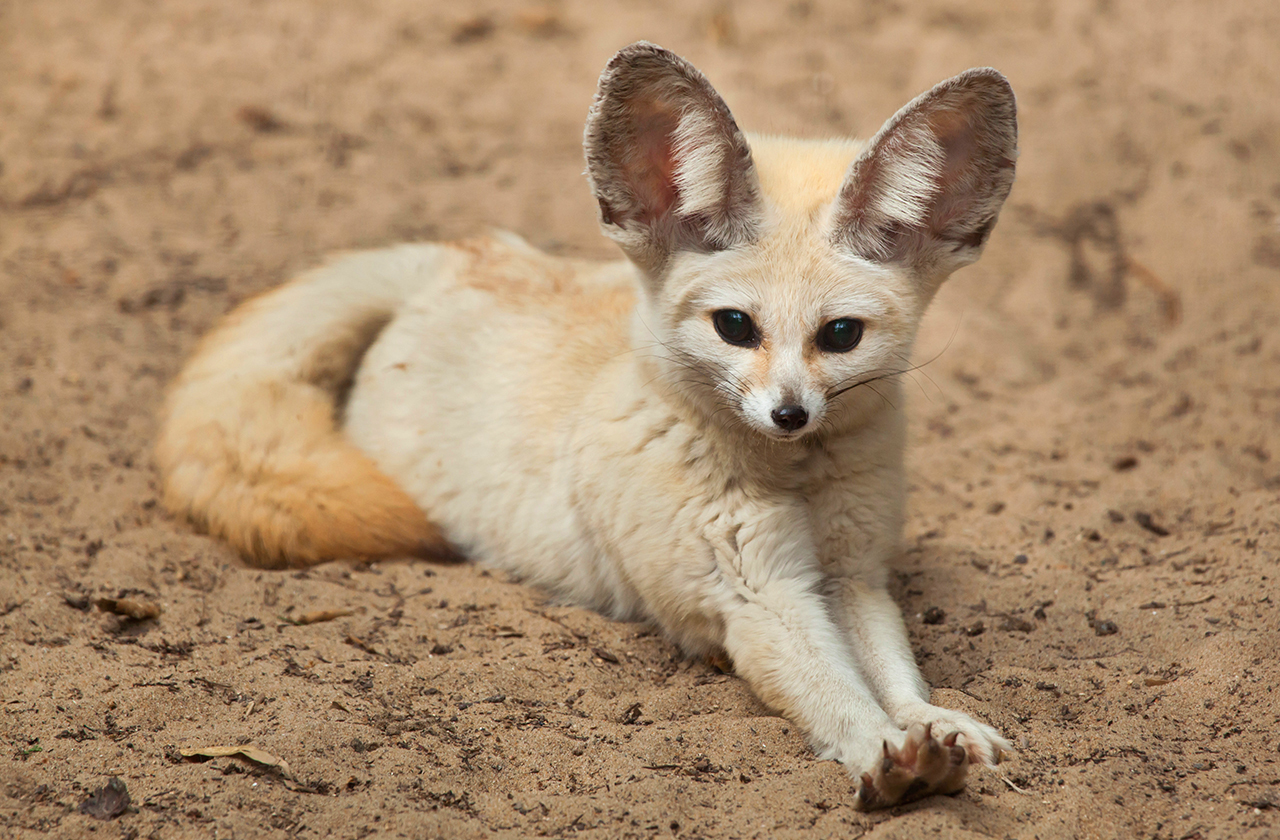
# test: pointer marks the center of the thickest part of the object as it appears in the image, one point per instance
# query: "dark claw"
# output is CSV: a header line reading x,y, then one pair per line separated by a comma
x,y
923,765
867,792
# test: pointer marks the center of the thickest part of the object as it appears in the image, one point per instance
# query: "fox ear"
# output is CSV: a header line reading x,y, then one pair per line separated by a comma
x,y
668,165
927,189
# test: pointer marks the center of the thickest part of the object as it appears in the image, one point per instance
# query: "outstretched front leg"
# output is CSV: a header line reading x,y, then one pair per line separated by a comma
x,y
941,743
858,525
780,635
783,643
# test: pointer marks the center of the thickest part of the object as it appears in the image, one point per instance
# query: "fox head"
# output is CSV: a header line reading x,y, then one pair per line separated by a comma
x,y
780,276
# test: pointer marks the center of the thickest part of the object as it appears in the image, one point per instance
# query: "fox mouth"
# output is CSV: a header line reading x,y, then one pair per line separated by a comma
x,y
789,435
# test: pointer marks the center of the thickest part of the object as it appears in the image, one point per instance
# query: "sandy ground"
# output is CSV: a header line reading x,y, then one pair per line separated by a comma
x,y
1095,460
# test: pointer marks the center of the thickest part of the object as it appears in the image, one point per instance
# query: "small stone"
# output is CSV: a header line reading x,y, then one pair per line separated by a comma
x,y
1146,521
107,802
1106,627
1013,623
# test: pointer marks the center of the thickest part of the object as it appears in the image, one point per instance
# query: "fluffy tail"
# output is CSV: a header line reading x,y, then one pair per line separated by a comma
x,y
249,446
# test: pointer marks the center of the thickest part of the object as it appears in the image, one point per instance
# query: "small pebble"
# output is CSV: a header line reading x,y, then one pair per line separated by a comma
x,y
1106,627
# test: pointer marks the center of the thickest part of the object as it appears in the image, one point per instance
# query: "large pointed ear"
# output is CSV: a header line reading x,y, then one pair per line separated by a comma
x,y
668,165
927,189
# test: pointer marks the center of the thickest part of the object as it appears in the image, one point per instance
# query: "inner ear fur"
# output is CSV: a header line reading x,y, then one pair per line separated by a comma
x,y
927,189
667,163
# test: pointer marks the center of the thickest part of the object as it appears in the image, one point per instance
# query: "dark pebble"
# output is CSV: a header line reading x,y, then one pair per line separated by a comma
x,y
1106,627
1013,623
1145,520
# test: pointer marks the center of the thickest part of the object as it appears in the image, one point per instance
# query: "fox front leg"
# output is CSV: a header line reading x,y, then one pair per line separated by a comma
x,y
941,743
780,635
782,642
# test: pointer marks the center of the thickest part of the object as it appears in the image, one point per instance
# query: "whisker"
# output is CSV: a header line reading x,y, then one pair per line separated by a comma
x,y
883,374
887,401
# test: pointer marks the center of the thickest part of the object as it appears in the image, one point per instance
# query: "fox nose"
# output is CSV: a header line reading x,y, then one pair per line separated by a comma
x,y
789,417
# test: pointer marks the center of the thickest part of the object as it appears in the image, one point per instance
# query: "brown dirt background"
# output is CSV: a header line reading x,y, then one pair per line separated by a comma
x,y
1113,360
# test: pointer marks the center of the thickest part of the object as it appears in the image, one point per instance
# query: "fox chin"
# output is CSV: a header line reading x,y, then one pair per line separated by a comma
x,y
705,435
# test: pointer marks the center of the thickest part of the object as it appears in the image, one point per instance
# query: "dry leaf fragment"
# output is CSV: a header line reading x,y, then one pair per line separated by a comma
x,y
260,119
357,642
474,29
632,714
133,608
258,756
317,616
721,28
505,631
540,22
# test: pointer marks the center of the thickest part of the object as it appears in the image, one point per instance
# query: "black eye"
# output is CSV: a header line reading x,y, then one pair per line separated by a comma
x,y
735,327
840,335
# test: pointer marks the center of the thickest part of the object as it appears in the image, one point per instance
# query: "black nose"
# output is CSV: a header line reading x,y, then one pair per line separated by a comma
x,y
790,417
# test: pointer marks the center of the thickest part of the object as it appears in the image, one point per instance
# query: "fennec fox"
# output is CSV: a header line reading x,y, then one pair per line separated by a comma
x,y
707,435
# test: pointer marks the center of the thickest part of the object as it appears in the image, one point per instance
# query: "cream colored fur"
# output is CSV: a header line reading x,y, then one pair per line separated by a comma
x,y
583,426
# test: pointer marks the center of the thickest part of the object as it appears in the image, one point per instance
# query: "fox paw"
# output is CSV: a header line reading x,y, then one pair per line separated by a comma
x,y
984,744
922,766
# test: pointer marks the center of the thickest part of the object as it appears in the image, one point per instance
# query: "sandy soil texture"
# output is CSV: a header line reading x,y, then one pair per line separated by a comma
x,y
1091,556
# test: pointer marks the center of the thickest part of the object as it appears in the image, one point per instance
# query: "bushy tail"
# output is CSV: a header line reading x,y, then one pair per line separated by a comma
x,y
249,446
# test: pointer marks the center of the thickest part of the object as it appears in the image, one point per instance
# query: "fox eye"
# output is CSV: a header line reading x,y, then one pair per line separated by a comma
x,y
840,335
735,327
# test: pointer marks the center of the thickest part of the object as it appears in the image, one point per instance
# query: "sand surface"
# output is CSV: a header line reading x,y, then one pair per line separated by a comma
x,y
1095,458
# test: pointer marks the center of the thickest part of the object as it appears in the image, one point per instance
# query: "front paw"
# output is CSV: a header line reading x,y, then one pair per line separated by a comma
x,y
983,744
922,766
